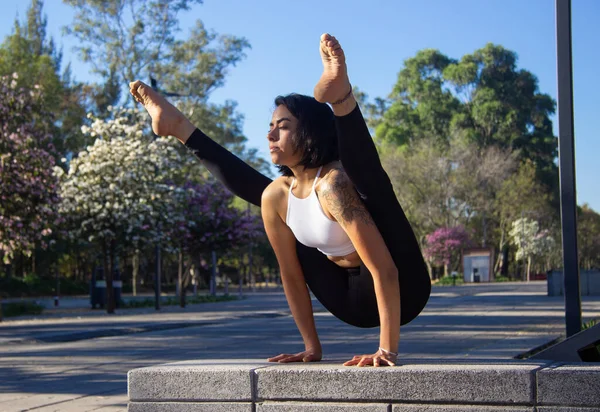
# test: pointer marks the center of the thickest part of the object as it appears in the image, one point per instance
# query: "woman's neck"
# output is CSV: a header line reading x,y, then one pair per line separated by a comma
x,y
304,176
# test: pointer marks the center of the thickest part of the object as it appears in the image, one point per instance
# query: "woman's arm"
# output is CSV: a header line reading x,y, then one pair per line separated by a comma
x,y
284,244
341,200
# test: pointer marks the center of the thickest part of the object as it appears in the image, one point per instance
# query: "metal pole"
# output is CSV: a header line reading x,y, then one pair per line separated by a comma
x,y
566,157
57,296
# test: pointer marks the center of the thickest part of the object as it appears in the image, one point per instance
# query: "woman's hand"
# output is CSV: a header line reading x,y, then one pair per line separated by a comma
x,y
310,355
379,358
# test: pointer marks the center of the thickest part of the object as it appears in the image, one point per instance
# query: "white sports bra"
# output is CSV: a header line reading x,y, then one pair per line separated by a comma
x,y
312,227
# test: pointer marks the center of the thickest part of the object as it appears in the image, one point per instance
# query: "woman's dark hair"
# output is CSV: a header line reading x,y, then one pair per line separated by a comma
x,y
315,135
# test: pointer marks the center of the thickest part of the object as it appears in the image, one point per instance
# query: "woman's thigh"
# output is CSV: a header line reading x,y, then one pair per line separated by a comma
x,y
339,290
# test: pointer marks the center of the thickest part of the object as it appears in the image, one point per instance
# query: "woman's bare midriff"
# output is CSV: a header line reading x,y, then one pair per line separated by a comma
x,y
349,261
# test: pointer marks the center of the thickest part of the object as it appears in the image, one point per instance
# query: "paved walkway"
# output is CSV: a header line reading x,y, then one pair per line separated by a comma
x,y
79,363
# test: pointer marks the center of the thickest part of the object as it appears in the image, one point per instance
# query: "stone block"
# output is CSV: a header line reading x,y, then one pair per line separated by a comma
x,y
189,407
569,385
460,408
320,407
501,383
206,380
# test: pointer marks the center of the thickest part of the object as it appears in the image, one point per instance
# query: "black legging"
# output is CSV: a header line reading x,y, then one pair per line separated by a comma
x,y
348,293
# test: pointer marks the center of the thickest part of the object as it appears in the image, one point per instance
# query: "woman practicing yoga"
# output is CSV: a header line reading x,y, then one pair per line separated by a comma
x,y
332,219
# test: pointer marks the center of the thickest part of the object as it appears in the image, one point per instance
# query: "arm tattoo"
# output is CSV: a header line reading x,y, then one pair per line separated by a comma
x,y
342,199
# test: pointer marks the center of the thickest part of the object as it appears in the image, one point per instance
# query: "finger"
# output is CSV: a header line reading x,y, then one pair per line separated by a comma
x,y
351,362
291,358
376,361
365,361
276,358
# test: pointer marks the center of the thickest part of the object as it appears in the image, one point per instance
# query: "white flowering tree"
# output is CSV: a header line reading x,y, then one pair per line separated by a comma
x,y
119,191
530,240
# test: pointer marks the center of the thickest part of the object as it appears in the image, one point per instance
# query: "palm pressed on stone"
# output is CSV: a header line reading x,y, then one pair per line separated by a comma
x,y
333,84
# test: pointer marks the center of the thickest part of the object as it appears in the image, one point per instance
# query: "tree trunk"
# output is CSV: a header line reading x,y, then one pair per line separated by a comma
x,y
33,271
528,268
110,293
21,266
180,280
135,270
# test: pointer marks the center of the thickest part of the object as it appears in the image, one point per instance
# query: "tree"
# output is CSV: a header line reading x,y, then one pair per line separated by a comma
x,y
206,222
125,40
29,52
504,107
482,98
588,237
118,193
520,193
28,194
444,244
441,186
420,106
530,241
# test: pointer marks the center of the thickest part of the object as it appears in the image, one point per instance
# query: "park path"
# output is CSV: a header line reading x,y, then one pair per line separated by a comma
x,y
39,371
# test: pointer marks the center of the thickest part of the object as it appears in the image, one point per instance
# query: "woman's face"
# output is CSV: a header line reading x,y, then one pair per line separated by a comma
x,y
281,132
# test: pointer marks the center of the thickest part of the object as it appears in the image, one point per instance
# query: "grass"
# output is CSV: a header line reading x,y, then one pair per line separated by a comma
x,y
501,279
174,301
21,308
589,324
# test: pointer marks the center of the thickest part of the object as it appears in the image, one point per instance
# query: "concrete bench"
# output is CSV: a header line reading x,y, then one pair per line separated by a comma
x,y
448,385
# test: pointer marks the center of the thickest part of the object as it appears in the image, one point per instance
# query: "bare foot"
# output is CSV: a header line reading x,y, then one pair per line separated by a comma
x,y
334,84
167,120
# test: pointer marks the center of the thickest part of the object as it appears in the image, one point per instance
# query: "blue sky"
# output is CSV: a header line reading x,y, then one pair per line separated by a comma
x,y
378,35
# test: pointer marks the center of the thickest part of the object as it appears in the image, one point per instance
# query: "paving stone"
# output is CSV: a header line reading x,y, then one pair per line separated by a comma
x,y
566,409
319,407
569,385
460,408
222,380
500,383
189,407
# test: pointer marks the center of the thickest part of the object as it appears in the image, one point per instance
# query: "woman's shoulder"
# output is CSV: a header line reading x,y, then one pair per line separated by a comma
x,y
333,174
277,190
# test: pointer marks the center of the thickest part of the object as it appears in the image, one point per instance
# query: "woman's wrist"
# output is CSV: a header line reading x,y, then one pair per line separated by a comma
x,y
314,347
387,352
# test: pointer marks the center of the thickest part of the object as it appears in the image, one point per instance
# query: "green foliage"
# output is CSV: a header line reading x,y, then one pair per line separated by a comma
x,y
448,281
588,237
501,279
174,301
35,286
483,98
21,308
125,40
591,323
30,53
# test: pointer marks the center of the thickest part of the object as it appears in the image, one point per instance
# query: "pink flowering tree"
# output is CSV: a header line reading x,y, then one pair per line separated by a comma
x,y
208,222
444,244
28,192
